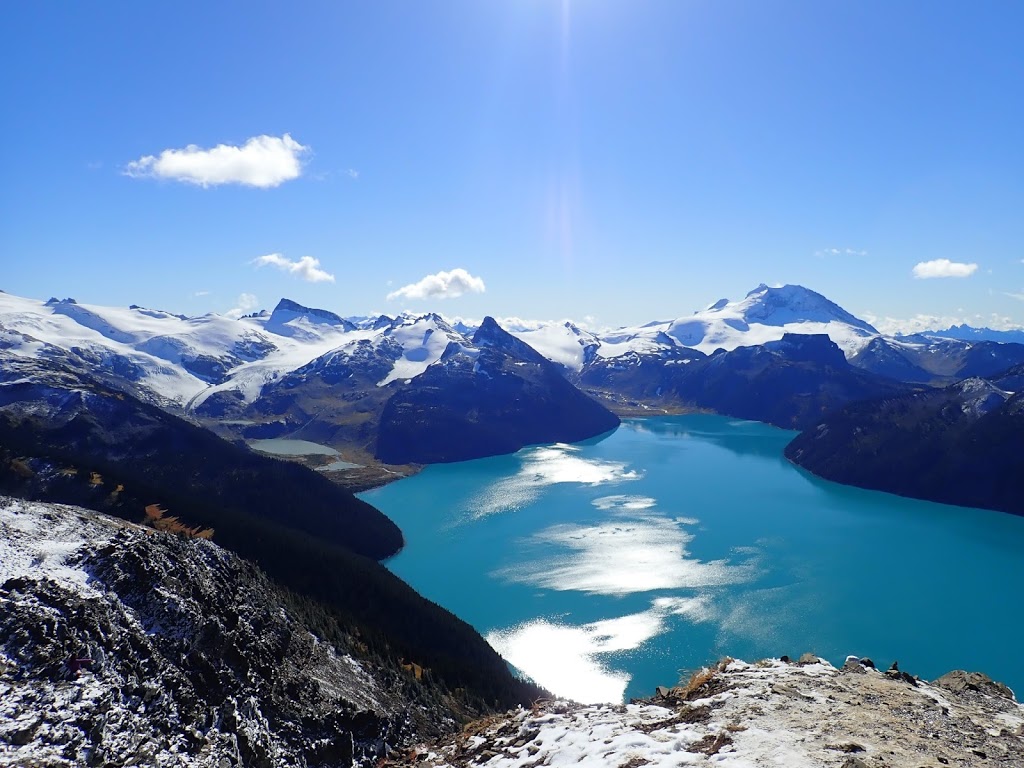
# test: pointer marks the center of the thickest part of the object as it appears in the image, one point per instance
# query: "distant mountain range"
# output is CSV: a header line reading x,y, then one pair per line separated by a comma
x,y
967,333
418,389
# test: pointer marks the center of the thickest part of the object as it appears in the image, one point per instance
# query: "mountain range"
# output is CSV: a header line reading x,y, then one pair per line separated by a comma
x,y
417,389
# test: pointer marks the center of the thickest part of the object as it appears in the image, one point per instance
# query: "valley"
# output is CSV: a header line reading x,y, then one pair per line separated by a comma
x,y
586,487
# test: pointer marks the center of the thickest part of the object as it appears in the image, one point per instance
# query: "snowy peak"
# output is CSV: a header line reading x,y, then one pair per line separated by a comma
x,y
792,304
423,341
490,334
563,343
764,315
290,318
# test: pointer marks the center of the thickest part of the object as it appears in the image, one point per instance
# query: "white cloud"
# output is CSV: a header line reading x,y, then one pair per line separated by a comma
x,y
443,285
840,252
246,303
352,173
263,161
307,268
943,268
201,293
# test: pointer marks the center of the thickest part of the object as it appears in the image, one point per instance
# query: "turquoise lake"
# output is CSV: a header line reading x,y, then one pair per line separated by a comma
x,y
606,568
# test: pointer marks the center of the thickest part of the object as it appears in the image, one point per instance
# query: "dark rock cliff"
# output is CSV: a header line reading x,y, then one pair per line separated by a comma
x,y
960,445
487,401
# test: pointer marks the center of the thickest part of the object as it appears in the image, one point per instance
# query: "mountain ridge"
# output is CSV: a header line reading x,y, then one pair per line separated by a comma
x,y
961,445
306,373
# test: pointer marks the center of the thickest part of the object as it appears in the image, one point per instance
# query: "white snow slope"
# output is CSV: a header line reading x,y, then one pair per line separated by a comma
x,y
157,350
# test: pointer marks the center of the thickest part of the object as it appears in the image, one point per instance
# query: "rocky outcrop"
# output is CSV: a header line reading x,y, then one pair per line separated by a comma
x,y
772,713
121,645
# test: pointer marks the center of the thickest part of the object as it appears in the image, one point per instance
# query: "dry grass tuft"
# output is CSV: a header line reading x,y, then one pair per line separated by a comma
x,y
156,517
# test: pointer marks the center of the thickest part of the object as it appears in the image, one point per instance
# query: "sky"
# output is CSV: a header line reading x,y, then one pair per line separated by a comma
x,y
609,162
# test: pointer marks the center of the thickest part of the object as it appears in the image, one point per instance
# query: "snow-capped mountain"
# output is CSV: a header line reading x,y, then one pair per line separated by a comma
x,y
765,314
969,333
182,361
313,374
301,370
563,343
185,362
170,356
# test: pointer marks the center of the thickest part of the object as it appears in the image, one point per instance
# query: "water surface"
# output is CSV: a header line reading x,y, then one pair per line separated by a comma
x,y
605,568
281,446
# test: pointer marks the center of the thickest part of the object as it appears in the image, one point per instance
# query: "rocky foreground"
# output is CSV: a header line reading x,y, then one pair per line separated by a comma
x,y
123,646
773,713
120,645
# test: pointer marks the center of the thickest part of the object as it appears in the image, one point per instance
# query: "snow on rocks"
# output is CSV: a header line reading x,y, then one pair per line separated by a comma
x,y
772,713
43,541
563,343
123,646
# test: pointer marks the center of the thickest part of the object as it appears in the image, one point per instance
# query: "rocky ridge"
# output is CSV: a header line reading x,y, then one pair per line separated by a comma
x,y
120,645
773,713
958,445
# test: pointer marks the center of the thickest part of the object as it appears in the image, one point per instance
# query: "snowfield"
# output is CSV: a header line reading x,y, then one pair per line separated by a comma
x,y
763,315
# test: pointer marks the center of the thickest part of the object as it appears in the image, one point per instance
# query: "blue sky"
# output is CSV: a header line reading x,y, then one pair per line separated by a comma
x,y
619,161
